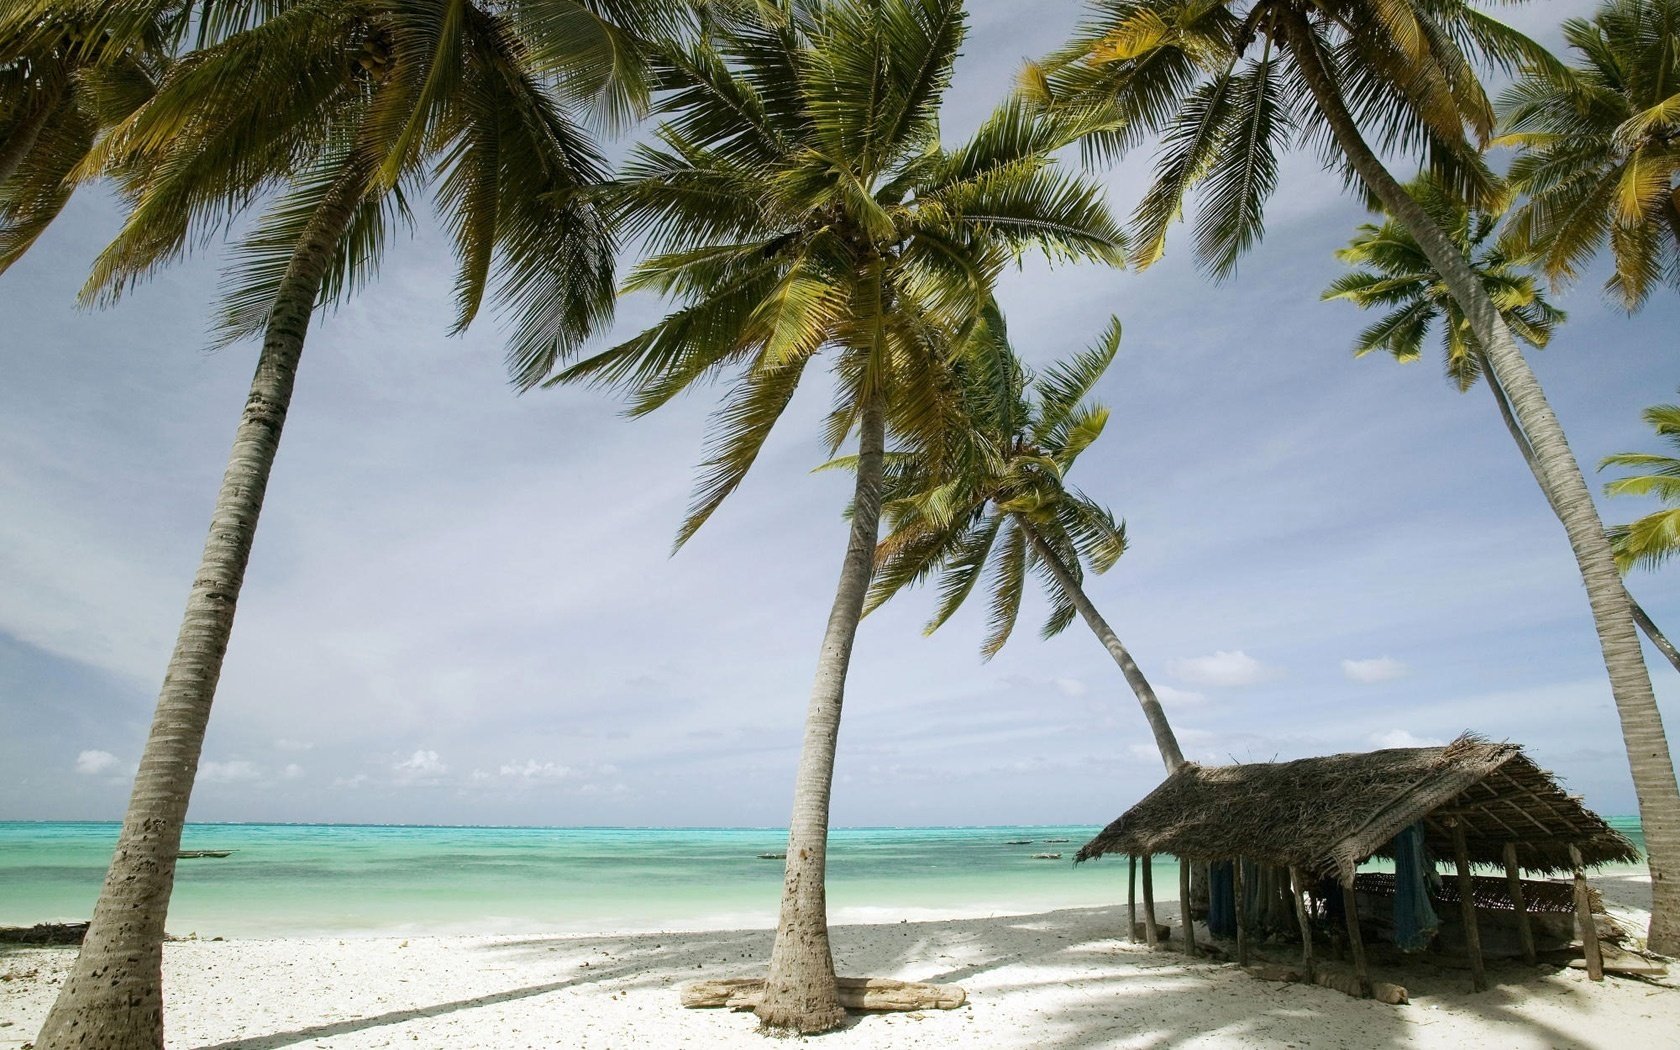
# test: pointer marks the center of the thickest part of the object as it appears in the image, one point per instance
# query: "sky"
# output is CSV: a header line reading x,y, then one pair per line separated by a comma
x,y
462,607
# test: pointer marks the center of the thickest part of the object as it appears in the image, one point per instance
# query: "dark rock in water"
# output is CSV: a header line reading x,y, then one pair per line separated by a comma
x,y
772,856
1047,841
1018,842
195,854
44,933
1046,856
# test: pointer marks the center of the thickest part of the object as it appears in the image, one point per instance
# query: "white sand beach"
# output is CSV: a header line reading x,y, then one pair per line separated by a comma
x,y
1060,979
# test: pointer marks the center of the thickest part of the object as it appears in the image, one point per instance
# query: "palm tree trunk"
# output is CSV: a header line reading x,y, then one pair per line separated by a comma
x,y
800,992
113,997
1165,741
1640,617
1630,683
23,137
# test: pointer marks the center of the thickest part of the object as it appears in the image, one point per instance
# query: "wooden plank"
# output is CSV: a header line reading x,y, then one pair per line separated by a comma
x,y
1131,897
1184,917
1297,889
1356,943
1583,916
1242,912
1513,879
1467,909
1150,937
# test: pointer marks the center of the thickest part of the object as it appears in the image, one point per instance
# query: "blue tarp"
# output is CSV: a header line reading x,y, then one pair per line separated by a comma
x,y
1415,921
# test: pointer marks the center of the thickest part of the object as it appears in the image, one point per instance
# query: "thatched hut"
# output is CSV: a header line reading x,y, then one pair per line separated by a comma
x,y
1320,818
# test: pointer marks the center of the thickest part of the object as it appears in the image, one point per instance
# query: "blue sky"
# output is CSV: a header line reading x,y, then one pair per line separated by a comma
x,y
462,609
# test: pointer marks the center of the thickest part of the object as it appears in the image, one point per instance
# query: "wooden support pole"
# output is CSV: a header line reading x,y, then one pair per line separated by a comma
x,y
1185,919
1131,897
1513,880
1149,934
1356,943
1298,889
1583,915
1242,911
1467,908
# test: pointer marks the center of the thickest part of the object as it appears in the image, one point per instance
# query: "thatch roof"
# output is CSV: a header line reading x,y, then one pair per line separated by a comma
x,y
1327,815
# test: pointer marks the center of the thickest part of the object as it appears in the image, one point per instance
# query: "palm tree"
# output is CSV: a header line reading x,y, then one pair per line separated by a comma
x,y
1006,501
336,112
68,71
1601,149
1227,84
798,201
1652,539
1398,276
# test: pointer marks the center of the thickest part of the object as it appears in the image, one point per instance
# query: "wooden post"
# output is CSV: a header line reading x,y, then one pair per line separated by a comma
x,y
1356,943
1583,915
1131,897
1297,889
1188,923
1467,908
1149,934
1242,912
1513,879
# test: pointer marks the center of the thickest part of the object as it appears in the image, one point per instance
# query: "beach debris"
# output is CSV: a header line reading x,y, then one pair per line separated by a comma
x,y
1623,962
856,993
197,854
1046,856
44,933
1346,983
772,856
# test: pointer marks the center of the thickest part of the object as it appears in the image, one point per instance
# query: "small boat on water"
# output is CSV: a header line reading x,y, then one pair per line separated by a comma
x,y
1046,856
196,854
772,856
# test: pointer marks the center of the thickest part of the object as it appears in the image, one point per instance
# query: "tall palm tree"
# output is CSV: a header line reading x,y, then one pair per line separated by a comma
x,y
336,113
798,201
1228,84
1005,501
1398,276
1601,149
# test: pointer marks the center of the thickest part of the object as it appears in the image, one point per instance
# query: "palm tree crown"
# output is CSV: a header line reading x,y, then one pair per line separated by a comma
x,y
1601,149
1395,274
1653,539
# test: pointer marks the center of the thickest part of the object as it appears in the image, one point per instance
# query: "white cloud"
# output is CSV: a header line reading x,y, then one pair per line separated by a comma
x,y
531,769
422,763
293,771
351,782
285,744
1380,669
1178,697
1402,738
1234,668
93,763
1071,686
231,772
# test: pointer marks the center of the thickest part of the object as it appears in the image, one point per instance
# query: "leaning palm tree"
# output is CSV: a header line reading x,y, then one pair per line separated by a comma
x,y
1398,276
336,113
798,202
1005,501
1600,149
1227,85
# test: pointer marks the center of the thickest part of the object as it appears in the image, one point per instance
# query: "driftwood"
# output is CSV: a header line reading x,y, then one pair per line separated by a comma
x,y
1618,961
856,993
1346,983
200,854
1162,932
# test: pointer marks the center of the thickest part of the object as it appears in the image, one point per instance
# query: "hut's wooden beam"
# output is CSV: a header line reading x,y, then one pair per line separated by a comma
x,y
1242,910
1297,889
1513,880
1350,904
1149,934
1185,919
1131,897
1583,915
1467,908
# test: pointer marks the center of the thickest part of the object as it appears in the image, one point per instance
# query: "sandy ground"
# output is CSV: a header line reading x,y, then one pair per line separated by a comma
x,y
1061,979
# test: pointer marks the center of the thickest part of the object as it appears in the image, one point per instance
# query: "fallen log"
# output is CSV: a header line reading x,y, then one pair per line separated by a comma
x,y
44,933
856,993
1346,983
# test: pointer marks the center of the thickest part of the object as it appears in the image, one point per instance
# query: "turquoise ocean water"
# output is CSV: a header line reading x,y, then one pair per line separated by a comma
x,y
288,879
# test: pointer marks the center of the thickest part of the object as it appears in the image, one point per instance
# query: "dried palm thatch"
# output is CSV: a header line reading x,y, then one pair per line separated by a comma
x,y
1326,815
